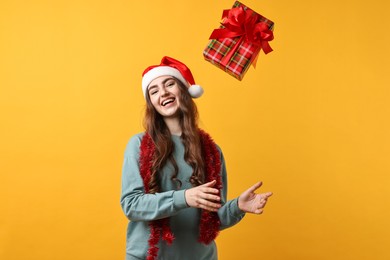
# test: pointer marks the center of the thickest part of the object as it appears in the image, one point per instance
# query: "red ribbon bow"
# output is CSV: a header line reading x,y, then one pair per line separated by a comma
x,y
240,22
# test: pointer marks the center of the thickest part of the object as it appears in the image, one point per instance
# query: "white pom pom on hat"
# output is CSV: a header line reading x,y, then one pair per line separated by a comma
x,y
195,91
171,67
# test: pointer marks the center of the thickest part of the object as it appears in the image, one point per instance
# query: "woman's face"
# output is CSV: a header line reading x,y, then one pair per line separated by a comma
x,y
164,94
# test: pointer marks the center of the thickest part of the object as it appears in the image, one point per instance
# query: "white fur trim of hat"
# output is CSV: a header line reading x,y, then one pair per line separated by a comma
x,y
174,68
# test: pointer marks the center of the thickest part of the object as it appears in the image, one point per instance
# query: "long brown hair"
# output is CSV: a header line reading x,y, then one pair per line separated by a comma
x,y
155,126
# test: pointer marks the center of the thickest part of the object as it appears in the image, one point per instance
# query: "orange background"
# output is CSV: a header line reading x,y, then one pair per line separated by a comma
x,y
311,121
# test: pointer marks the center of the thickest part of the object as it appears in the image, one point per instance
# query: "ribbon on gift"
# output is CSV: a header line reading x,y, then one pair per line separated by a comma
x,y
238,22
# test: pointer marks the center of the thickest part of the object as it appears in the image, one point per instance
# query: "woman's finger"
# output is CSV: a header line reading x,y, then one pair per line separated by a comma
x,y
266,195
209,184
210,206
254,187
209,190
211,197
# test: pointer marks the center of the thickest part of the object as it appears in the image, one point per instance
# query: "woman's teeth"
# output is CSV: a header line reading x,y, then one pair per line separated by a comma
x,y
167,101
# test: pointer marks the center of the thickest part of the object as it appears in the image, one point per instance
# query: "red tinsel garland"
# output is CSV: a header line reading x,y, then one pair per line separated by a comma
x,y
209,222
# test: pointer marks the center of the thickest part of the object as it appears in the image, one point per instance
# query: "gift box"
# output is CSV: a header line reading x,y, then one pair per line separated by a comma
x,y
235,45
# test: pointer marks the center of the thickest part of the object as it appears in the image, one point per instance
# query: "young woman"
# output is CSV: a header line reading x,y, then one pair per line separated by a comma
x,y
174,183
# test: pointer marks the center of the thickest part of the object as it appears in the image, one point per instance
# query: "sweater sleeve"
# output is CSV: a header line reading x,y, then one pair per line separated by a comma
x,y
229,214
136,204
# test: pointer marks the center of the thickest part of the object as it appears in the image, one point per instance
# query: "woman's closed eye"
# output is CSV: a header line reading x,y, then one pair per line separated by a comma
x,y
170,83
153,91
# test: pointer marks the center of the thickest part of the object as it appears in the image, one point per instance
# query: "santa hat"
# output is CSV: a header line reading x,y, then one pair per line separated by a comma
x,y
175,68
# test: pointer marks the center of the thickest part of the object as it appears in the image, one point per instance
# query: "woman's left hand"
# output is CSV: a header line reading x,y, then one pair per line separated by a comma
x,y
251,202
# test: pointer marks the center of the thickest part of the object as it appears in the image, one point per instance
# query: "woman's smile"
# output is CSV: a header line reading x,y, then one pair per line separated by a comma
x,y
164,93
168,102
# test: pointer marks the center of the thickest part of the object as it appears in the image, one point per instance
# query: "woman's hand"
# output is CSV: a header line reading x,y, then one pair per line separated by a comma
x,y
204,197
251,202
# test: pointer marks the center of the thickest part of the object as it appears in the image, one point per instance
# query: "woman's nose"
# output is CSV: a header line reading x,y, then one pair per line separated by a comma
x,y
164,91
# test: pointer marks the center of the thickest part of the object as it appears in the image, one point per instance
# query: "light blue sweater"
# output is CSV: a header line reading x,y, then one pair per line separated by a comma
x,y
170,202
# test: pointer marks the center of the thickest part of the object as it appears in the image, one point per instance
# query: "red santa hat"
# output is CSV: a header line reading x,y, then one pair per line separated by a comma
x,y
175,68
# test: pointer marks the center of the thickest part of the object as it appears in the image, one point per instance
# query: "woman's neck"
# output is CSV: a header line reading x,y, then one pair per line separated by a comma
x,y
173,125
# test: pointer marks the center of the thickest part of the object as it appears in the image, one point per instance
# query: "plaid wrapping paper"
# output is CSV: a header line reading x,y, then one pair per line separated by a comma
x,y
244,55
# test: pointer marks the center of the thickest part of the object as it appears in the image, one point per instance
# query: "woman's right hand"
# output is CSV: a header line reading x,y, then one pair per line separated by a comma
x,y
204,197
